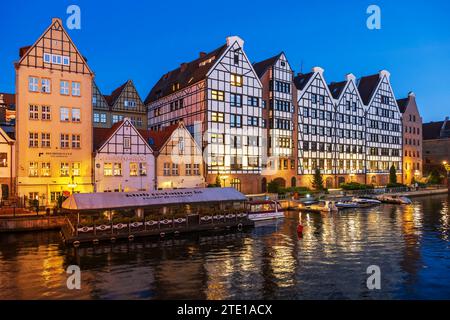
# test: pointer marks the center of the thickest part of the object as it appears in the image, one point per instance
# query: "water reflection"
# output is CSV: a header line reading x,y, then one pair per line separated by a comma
x,y
409,243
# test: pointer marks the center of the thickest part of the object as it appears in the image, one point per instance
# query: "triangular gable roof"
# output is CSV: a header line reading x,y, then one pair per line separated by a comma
x,y
96,91
103,135
158,139
337,88
114,96
262,66
301,80
5,136
185,75
9,99
56,25
367,86
403,104
432,130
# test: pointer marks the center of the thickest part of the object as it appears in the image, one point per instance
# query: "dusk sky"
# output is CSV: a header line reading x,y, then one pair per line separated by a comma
x,y
142,40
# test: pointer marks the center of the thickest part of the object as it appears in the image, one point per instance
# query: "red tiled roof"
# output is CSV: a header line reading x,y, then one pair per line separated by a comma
x,y
157,139
403,104
8,98
262,66
101,135
112,98
336,88
301,80
367,86
23,50
186,75
432,130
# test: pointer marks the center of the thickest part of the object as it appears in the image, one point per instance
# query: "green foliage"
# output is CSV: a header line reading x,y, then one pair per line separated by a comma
x,y
393,175
317,183
356,186
434,177
395,185
274,187
218,182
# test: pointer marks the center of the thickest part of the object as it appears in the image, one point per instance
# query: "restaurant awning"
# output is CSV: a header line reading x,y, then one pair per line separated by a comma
x,y
116,200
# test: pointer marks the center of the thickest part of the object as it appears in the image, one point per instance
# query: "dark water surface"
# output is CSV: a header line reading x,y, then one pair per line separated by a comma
x,y
410,244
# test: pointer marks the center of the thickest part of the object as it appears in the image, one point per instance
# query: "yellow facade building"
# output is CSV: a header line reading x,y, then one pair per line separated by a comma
x,y
54,118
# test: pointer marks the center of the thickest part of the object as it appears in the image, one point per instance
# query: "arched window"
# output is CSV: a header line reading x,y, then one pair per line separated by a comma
x,y
293,182
236,183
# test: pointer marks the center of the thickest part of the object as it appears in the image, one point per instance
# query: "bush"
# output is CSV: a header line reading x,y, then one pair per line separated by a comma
x,y
395,185
356,186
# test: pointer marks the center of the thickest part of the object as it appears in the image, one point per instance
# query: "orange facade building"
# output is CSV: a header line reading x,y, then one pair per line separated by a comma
x,y
54,118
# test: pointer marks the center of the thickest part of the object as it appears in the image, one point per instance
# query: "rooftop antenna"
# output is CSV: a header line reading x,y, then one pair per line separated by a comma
x,y
301,66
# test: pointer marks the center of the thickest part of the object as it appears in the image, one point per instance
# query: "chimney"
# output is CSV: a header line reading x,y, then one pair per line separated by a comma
x,y
56,20
231,40
385,73
202,54
318,70
350,76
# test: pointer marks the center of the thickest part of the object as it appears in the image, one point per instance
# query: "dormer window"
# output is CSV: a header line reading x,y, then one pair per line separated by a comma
x,y
175,86
130,104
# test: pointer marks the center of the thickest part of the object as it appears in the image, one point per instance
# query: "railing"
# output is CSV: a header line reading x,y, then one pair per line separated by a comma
x,y
149,225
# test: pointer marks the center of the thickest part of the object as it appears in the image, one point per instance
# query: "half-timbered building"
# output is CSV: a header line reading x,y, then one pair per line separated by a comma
x,y
383,128
124,161
349,132
279,121
7,166
315,126
179,163
123,102
218,97
54,118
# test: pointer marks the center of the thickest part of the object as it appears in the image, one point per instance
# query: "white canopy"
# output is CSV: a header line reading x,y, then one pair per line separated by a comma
x,y
116,200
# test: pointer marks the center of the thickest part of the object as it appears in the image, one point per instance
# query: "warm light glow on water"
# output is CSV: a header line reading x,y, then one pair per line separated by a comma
x,y
409,243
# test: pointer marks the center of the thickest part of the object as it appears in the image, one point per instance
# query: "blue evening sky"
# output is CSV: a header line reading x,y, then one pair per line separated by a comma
x,y
141,40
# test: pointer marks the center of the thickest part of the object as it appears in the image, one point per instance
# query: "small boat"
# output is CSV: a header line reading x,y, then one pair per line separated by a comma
x,y
394,199
366,202
322,206
264,210
348,205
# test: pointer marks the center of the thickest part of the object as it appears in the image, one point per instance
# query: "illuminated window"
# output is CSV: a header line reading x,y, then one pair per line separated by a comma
x,y
76,115
217,95
76,141
217,161
253,162
236,162
76,169
133,169
64,169
33,140
64,87
76,89
45,86
46,114
129,104
3,159
217,138
33,112
45,140
236,80
33,169
142,169
107,169
45,169
33,84
217,117
236,183
117,169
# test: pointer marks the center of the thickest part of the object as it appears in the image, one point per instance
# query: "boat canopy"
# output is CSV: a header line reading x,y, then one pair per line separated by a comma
x,y
157,198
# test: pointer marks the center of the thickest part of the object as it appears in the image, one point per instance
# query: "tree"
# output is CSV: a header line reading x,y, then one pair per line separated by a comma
x,y
317,183
392,175
434,177
273,187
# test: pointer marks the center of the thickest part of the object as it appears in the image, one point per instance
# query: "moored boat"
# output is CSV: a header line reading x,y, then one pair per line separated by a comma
x,y
322,206
366,202
264,210
394,199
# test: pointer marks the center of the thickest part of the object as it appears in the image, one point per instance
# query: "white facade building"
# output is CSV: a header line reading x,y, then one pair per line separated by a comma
x,y
124,161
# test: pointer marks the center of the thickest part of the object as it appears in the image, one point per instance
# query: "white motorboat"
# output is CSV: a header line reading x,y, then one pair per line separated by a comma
x,y
322,206
394,199
366,202
264,210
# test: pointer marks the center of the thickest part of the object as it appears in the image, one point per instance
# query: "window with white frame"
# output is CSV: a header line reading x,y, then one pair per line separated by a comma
x,y
76,115
45,169
33,169
188,169
64,169
76,141
107,169
33,84
117,118
175,171
33,112
45,140
166,169
133,169
76,169
64,114
46,114
236,80
76,89
45,85
126,142
117,169
217,95
130,104
64,87
217,117
64,141
96,117
142,169
33,140
196,169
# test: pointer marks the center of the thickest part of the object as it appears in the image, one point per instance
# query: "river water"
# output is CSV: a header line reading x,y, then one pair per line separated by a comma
x,y
410,245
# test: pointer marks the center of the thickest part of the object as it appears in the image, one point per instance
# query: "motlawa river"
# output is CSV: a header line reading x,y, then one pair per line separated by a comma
x,y
410,245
